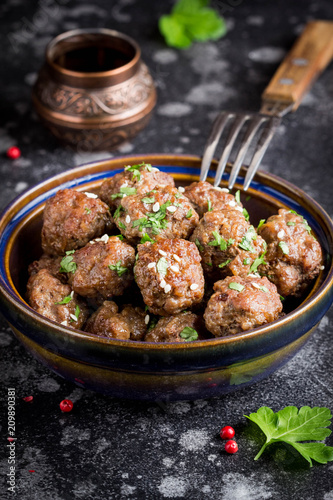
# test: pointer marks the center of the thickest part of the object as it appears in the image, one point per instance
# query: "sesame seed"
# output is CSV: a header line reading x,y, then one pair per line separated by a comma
x,y
255,285
91,195
171,209
154,169
161,252
194,286
254,275
64,323
156,207
128,219
167,288
181,189
105,238
281,234
74,318
162,283
322,268
178,259
92,242
175,269
151,265
147,317
225,190
72,294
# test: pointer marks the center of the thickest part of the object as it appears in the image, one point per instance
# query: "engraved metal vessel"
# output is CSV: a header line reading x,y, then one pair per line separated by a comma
x,y
94,92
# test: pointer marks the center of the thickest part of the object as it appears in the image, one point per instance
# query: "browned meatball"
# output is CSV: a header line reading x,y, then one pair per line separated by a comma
x,y
136,179
108,322
240,304
206,197
103,268
160,213
169,275
45,294
228,244
169,329
294,256
52,264
71,219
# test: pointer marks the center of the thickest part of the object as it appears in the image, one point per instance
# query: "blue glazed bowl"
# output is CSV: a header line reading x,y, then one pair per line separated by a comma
x,y
157,371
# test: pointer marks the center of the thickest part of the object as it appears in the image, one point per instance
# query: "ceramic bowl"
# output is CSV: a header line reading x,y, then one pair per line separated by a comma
x,y
160,371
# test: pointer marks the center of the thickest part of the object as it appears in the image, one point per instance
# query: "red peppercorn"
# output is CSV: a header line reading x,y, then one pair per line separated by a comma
x,y
227,432
66,405
27,399
13,153
231,446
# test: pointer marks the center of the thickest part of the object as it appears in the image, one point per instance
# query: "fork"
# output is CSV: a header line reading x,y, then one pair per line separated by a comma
x,y
308,57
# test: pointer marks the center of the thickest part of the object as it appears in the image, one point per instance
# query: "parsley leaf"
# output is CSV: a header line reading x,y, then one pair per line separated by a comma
x,y
118,268
148,200
246,214
189,334
189,214
225,263
87,210
67,265
220,242
66,299
199,246
209,205
237,197
292,426
120,236
145,238
261,223
126,190
191,20
284,247
257,262
250,235
76,314
236,286
291,223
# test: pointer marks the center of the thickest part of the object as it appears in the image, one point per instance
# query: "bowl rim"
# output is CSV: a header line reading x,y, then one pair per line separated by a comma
x,y
82,171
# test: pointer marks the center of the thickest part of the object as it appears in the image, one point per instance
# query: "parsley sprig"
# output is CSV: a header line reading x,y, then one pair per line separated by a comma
x,y
220,242
189,334
67,265
249,236
120,270
124,191
293,426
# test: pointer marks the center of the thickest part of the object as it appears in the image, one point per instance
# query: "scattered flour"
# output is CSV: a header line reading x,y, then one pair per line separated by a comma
x,y
126,489
174,109
165,56
255,20
239,487
212,94
20,186
267,54
194,440
48,385
173,487
168,462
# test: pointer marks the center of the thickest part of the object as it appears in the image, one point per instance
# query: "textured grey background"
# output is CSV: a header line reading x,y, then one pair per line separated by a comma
x,y
112,449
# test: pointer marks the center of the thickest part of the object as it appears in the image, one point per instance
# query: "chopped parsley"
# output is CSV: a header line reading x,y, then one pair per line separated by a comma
x,y
87,210
225,263
154,220
120,270
162,266
264,289
117,212
148,200
246,214
305,222
66,299
261,223
237,196
120,236
152,322
247,261
209,205
189,334
198,244
236,286
178,195
67,265
284,247
291,223
124,191
220,242
122,225
189,214
246,243
145,238
258,262
76,314
282,298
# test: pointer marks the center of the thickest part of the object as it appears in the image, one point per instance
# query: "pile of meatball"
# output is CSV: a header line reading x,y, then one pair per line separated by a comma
x,y
144,260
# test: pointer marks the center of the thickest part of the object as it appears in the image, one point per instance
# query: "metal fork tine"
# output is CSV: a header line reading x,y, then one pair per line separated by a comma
x,y
237,125
253,126
212,141
262,145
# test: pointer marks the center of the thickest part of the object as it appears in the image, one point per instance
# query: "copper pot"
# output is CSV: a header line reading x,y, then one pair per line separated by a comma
x,y
94,92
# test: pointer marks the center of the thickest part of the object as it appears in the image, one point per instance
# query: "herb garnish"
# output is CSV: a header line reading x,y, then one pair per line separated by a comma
x,y
261,223
66,299
236,286
148,200
284,247
247,261
305,222
162,266
154,220
292,426
191,20
87,210
189,214
117,212
118,268
225,263
120,236
291,223
209,205
67,265
76,314
250,235
145,238
246,214
198,244
189,334
237,197
220,242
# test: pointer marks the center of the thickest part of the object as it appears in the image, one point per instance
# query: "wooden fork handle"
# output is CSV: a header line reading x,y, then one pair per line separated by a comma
x,y
308,57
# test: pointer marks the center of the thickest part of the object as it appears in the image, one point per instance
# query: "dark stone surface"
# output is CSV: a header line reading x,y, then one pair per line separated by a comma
x,y
112,449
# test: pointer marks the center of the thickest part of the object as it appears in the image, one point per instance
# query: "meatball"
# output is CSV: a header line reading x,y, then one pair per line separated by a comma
x,y
71,219
52,264
136,179
55,300
160,213
228,244
294,256
103,268
240,304
169,275
206,197
169,329
108,322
